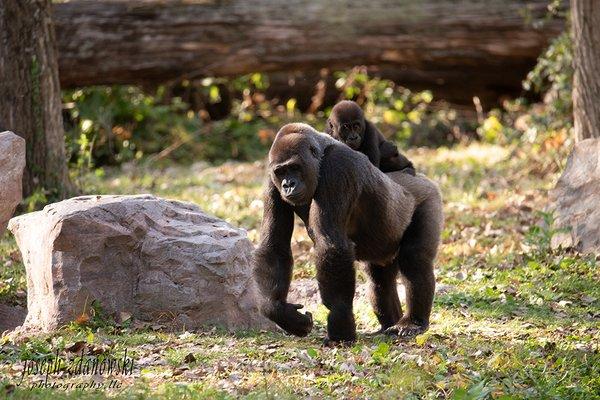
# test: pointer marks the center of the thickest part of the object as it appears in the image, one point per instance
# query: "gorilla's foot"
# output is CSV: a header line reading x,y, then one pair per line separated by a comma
x,y
405,328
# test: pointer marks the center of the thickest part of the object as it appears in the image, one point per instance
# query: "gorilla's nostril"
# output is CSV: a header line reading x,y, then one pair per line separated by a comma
x,y
288,184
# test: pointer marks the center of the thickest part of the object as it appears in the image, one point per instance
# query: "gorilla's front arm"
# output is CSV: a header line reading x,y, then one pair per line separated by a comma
x,y
334,258
334,251
273,265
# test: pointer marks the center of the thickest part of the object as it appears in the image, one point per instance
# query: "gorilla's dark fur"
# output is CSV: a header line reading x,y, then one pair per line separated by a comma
x,y
352,211
347,123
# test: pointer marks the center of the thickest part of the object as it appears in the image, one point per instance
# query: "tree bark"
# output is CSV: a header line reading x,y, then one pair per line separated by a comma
x,y
586,82
30,102
457,48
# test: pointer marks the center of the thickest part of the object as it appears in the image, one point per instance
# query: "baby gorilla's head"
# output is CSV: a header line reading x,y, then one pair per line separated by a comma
x,y
347,124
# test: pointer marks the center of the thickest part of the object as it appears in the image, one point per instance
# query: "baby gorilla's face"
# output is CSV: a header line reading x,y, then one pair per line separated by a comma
x,y
347,124
349,132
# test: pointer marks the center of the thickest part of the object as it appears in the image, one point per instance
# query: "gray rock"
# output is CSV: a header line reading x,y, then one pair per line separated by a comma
x,y
577,200
12,164
157,260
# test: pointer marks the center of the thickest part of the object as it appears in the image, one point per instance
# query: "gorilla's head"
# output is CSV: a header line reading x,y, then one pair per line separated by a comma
x,y
347,124
294,161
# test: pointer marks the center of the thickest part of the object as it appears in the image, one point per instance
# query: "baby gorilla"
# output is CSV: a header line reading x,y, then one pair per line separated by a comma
x,y
347,124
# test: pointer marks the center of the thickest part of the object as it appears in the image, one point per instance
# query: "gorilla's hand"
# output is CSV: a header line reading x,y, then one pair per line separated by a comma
x,y
288,318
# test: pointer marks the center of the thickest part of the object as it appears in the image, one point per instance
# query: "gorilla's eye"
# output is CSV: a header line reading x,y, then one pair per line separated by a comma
x,y
284,170
280,172
356,126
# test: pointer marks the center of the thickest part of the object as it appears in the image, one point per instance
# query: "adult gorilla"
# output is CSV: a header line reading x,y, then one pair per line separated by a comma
x,y
352,211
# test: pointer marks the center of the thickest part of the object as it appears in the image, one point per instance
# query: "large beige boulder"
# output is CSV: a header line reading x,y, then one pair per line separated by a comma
x,y
157,260
577,199
12,164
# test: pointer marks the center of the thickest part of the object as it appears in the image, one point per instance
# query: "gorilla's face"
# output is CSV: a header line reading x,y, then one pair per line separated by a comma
x,y
294,168
347,124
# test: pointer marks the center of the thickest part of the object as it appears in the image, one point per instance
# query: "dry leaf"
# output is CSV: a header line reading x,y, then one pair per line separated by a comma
x,y
76,347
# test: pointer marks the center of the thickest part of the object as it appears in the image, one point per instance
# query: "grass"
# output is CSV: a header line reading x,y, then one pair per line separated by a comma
x,y
514,320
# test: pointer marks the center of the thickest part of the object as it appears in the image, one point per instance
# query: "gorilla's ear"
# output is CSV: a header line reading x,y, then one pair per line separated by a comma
x,y
314,151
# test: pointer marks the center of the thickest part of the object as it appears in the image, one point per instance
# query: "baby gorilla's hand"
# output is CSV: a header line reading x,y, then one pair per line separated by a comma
x,y
292,321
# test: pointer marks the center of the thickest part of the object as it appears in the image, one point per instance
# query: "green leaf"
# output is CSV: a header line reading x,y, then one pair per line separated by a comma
x,y
421,339
382,350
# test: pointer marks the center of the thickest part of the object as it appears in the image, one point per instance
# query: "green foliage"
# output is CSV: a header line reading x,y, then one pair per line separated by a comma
x,y
111,125
234,139
91,319
381,352
492,130
553,75
538,237
475,392
12,272
36,200
116,124
546,126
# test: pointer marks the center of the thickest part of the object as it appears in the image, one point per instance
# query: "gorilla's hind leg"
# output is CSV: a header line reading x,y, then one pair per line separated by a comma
x,y
418,250
383,293
419,281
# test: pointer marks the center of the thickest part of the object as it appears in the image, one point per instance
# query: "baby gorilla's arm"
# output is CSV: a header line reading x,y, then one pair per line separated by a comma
x,y
392,160
388,149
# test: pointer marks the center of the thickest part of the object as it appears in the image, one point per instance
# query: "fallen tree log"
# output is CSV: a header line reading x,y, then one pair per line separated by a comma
x,y
458,48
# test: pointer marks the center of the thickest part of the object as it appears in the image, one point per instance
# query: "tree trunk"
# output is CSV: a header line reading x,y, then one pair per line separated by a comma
x,y
457,48
30,103
586,82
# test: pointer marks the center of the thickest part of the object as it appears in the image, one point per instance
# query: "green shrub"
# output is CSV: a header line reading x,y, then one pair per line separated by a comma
x,y
114,124
553,76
